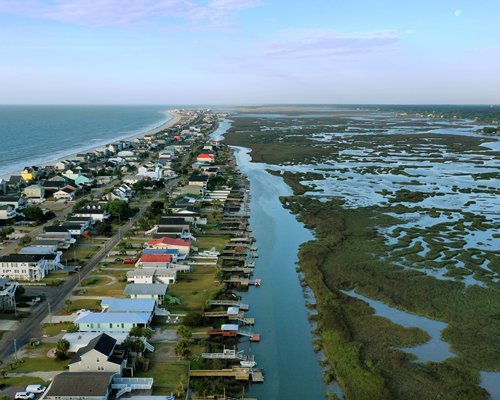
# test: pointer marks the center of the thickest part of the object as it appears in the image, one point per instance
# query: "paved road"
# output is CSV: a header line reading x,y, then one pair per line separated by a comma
x,y
31,326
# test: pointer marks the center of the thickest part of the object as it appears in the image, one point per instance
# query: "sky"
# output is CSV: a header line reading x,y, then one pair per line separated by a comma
x,y
249,51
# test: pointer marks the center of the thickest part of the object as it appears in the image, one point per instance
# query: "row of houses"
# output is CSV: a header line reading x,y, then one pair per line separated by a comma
x,y
43,255
99,354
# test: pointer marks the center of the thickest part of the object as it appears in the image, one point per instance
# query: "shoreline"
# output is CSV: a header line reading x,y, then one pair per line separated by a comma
x,y
175,118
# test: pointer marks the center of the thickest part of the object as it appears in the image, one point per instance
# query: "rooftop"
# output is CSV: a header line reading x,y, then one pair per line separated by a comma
x,y
169,241
146,288
128,305
158,258
114,317
80,384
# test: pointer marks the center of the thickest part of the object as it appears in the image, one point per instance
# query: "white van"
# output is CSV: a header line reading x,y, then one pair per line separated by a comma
x,y
35,388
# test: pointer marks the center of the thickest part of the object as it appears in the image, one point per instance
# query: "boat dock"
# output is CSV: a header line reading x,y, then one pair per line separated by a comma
x,y
238,373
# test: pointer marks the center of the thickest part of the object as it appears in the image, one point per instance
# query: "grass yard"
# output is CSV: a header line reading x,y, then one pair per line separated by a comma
x,y
42,363
88,304
80,253
114,290
22,381
194,289
208,242
54,329
168,376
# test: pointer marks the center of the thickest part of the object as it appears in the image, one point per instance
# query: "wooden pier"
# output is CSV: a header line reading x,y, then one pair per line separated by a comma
x,y
238,373
229,303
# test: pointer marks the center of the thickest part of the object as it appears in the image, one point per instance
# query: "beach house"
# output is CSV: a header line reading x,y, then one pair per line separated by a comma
x,y
154,261
156,291
89,321
94,210
15,201
66,193
7,294
7,212
80,385
169,243
36,192
24,267
152,275
206,158
99,355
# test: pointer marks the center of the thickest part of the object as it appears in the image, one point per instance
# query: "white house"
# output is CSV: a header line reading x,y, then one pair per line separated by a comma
x,y
7,293
152,275
94,210
65,194
155,291
7,212
23,267
111,322
99,356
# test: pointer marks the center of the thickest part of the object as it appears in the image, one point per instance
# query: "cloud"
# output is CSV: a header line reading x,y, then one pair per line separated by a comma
x,y
410,31
326,43
457,13
126,12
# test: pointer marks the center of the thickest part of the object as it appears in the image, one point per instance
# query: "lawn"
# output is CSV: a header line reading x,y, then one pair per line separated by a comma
x,y
87,304
35,359
208,242
167,375
54,329
42,363
80,253
114,290
22,381
194,289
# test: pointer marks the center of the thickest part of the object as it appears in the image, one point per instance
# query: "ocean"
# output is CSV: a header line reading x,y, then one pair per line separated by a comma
x,y
33,135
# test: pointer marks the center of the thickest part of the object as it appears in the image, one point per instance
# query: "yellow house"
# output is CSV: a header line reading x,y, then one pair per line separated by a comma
x,y
28,174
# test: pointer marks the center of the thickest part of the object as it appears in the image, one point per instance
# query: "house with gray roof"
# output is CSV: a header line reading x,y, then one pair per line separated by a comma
x,y
101,354
155,291
80,385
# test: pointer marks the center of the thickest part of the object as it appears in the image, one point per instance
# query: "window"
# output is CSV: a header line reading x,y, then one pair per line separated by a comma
x,y
110,325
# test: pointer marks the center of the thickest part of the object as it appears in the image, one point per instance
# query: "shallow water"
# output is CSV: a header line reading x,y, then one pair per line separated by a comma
x,y
435,350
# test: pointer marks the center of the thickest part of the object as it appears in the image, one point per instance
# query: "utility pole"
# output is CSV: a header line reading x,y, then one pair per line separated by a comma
x,y
15,349
50,314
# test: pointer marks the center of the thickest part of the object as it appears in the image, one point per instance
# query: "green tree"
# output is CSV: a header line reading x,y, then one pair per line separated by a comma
x,y
34,213
184,332
103,229
134,344
25,240
62,347
182,349
68,305
193,319
80,204
119,209
137,331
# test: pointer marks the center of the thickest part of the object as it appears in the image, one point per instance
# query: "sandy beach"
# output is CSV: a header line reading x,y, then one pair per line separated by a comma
x,y
174,120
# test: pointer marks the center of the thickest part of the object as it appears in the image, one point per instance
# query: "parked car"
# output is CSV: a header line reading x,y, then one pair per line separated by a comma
x,y
130,260
118,259
24,395
35,388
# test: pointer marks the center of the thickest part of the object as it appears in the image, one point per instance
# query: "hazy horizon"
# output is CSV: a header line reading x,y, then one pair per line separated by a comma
x,y
249,52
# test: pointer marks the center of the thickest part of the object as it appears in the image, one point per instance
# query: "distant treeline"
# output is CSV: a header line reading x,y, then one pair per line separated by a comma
x,y
484,114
